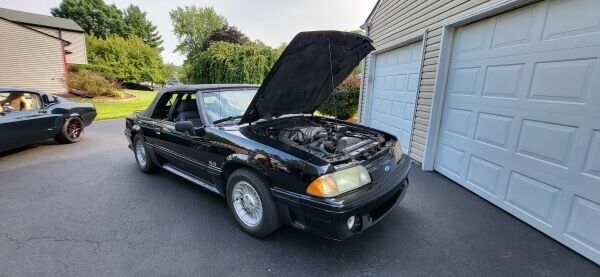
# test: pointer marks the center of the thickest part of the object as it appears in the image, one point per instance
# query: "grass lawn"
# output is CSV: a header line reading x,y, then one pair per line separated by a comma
x,y
108,109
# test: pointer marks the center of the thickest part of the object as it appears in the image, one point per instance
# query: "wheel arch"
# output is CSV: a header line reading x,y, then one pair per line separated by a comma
x,y
236,161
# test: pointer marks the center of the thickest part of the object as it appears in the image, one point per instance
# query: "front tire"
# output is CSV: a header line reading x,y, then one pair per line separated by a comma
x,y
141,156
251,203
71,131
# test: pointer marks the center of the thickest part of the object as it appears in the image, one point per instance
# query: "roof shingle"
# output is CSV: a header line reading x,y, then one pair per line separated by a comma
x,y
39,20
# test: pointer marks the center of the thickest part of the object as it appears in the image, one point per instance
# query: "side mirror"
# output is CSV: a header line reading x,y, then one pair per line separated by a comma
x,y
185,127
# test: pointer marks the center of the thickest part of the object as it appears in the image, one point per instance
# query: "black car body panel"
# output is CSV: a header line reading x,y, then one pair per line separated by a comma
x,y
213,151
20,128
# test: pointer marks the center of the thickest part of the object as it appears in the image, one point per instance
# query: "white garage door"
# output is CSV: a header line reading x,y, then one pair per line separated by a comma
x,y
395,90
521,117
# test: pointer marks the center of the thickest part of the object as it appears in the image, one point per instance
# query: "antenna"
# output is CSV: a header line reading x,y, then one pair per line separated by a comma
x,y
331,75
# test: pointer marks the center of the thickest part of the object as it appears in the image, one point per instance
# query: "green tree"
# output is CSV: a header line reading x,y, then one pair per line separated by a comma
x,y
225,62
175,71
140,26
228,34
130,59
94,16
193,26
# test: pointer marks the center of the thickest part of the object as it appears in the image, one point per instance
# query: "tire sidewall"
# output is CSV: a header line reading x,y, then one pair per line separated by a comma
x,y
147,167
65,134
270,219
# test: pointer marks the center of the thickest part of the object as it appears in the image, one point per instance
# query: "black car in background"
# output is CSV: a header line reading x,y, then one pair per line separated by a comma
x,y
264,150
30,116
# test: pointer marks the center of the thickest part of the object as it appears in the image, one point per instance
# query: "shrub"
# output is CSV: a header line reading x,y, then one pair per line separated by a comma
x,y
136,86
93,84
346,98
129,59
106,70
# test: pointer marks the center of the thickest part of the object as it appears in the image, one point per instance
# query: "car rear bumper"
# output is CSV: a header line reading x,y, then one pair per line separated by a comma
x,y
328,217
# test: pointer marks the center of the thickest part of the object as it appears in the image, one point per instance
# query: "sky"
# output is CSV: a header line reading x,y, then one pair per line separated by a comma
x,y
273,22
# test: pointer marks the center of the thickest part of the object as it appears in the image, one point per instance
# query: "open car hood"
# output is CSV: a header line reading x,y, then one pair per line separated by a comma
x,y
300,80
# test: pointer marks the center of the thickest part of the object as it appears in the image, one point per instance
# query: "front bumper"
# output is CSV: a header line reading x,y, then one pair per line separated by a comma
x,y
327,217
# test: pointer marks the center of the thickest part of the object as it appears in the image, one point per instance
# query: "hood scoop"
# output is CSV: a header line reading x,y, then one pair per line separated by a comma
x,y
301,79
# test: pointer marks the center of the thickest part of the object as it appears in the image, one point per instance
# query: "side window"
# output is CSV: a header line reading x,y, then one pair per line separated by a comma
x,y
178,107
19,101
164,106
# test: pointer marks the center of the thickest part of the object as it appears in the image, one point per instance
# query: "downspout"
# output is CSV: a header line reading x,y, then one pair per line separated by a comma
x,y
366,28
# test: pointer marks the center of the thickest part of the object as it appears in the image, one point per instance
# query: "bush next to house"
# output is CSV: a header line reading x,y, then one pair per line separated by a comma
x,y
92,84
127,59
346,99
108,71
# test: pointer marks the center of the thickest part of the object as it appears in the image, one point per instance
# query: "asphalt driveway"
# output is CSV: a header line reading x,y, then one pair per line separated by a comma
x,y
85,209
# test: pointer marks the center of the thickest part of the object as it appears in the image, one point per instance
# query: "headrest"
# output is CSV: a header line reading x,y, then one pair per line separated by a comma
x,y
187,105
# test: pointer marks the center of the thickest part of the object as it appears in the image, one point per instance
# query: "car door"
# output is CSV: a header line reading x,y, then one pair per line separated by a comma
x,y
23,127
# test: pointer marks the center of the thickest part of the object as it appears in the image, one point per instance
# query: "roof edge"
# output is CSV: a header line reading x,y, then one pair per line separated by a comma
x,y
66,42
366,24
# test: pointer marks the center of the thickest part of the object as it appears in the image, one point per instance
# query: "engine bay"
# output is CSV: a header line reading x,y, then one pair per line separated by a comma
x,y
332,141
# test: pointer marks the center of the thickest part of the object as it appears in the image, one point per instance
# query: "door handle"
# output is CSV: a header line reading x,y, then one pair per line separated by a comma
x,y
43,111
157,130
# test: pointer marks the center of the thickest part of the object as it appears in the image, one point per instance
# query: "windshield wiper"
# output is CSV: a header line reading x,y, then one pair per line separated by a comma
x,y
227,119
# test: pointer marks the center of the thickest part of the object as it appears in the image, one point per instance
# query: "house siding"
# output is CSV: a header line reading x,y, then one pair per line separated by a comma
x,y
397,20
76,46
30,59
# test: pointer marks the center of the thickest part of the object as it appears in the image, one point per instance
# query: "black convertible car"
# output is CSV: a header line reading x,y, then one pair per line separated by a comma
x,y
262,148
30,116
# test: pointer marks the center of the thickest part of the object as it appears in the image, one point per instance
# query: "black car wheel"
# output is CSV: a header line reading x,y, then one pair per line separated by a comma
x,y
71,131
251,203
141,156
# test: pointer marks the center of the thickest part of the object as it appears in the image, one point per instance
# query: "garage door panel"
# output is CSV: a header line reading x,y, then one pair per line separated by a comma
x,y
561,23
395,90
584,214
485,175
521,117
591,166
533,197
536,28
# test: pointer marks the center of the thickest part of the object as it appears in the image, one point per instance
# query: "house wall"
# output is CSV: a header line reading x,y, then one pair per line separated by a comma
x,y
30,59
396,20
77,47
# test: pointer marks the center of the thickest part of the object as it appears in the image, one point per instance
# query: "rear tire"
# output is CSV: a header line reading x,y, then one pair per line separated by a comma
x,y
71,131
142,159
251,203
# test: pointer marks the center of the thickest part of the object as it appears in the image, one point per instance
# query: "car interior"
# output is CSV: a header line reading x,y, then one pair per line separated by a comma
x,y
19,101
181,107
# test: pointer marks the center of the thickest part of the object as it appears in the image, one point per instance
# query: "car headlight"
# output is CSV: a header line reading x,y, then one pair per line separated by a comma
x,y
397,149
336,183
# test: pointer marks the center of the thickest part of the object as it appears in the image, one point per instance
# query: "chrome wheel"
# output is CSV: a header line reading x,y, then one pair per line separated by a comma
x,y
140,153
247,204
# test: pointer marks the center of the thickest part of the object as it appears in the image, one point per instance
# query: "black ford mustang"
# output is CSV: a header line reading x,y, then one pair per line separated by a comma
x,y
30,116
276,162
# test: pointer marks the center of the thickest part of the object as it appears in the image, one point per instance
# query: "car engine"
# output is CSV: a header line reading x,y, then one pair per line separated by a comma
x,y
334,142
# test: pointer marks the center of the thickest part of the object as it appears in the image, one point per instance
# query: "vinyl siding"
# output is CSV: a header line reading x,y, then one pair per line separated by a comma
x,y
30,59
396,20
77,47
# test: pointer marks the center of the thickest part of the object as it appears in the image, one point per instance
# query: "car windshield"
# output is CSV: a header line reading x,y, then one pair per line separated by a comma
x,y
226,104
